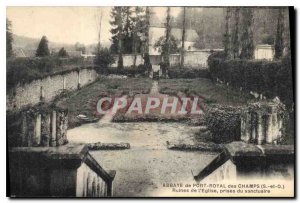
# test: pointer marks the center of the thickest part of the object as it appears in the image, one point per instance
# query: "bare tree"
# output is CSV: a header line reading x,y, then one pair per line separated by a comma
x,y
182,39
98,17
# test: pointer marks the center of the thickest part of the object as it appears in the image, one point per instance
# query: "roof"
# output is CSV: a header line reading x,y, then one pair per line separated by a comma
x,y
156,32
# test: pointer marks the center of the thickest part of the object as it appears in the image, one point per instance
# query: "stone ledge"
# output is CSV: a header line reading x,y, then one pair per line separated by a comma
x,y
242,149
211,147
108,146
62,152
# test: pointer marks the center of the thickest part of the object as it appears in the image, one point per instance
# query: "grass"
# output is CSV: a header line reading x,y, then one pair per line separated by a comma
x,y
84,100
213,93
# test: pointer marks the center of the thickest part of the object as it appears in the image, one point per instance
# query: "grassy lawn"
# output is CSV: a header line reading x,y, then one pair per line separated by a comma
x,y
214,93
84,100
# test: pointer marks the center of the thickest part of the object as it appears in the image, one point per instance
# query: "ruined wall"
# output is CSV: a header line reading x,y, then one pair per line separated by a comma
x,y
47,88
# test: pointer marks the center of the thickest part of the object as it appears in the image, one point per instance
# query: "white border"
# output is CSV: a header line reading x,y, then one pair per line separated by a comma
x,y
5,3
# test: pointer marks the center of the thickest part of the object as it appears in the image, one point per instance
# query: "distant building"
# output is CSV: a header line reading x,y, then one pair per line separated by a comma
x,y
155,33
264,51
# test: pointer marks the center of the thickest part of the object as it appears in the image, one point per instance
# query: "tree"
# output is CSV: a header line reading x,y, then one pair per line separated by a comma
x,y
43,49
235,34
247,44
279,35
80,47
182,39
103,59
117,15
172,46
62,53
166,45
138,30
9,39
146,44
226,40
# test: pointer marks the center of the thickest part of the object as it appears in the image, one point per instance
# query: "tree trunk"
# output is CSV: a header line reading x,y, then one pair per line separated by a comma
x,y
182,39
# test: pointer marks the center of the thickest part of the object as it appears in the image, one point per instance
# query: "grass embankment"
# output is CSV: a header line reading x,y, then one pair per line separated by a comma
x,y
213,93
84,100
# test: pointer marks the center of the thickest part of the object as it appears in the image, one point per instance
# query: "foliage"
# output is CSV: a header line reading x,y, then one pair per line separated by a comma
x,y
9,39
224,123
177,72
247,43
173,45
43,49
62,53
80,47
279,35
128,27
270,78
23,70
103,58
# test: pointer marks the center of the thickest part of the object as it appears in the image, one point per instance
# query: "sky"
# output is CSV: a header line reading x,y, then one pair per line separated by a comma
x,y
67,24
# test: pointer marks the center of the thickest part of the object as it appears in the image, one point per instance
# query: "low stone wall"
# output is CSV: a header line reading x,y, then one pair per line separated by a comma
x,y
47,88
128,60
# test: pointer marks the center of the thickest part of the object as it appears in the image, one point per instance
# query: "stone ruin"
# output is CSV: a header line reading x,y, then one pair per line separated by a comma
x,y
263,122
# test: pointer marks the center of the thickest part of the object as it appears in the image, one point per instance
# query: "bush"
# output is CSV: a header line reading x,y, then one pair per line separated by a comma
x,y
127,71
224,123
176,72
103,59
270,78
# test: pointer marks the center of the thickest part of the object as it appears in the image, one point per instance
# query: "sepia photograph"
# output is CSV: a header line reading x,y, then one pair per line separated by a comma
x,y
150,101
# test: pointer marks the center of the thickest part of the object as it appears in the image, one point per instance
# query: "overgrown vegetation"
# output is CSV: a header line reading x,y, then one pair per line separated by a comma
x,y
270,78
213,94
224,123
190,73
23,70
84,101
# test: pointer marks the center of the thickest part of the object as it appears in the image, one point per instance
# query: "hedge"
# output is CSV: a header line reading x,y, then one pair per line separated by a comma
x,y
128,71
270,78
224,123
23,70
176,72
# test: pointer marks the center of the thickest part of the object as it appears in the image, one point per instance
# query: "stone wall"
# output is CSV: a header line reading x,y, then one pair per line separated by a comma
x,y
193,59
47,88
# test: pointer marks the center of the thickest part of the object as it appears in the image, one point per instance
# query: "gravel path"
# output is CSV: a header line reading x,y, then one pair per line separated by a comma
x,y
143,169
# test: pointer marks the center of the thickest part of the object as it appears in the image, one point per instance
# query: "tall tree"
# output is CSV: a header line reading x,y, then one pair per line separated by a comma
x,y
226,40
43,49
99,16
138,29
235,34
182,39
166,48
146,44
117,33
9,39
279,46
247,44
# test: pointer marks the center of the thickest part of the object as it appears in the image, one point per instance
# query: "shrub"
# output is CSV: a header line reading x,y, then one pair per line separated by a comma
x,y
176,72
224,123
103,59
